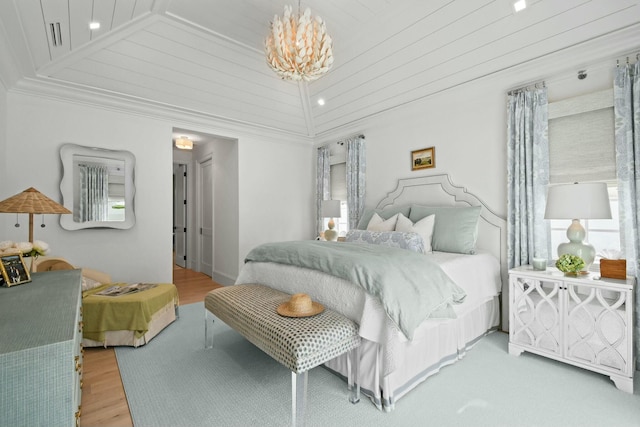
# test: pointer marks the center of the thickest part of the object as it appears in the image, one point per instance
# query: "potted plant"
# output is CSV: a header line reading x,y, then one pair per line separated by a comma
x,y
570,264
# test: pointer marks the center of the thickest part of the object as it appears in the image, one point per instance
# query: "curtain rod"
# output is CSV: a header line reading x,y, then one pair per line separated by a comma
x,y
531,85
342,141
602,62
618,61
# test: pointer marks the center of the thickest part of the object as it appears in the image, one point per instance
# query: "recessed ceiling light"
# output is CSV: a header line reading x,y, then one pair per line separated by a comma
x,y
94,25
519,5
320,101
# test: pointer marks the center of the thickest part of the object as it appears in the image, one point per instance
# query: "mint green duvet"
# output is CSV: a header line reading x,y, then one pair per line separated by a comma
x,y
410,286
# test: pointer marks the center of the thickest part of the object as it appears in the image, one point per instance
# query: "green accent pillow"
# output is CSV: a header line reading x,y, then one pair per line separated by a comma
x,y
455,229
384,214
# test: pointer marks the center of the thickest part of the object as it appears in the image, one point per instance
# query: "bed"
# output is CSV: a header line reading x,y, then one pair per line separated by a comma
x,y
125,320
393,359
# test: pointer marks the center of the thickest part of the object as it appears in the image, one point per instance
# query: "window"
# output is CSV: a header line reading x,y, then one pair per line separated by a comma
x,y
581,139
339,192
582,149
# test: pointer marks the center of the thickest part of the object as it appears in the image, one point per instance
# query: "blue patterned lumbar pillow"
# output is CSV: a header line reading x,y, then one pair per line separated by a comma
x,y
395,239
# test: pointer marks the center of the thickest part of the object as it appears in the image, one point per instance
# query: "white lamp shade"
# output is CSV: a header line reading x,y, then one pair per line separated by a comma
x,y
331,208
578,201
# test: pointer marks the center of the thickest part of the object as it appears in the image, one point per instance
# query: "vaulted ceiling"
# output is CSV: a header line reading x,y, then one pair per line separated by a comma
x,y
206,56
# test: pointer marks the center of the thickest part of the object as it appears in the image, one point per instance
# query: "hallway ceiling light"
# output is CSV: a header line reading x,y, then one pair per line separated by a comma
x,y
298,48
184,143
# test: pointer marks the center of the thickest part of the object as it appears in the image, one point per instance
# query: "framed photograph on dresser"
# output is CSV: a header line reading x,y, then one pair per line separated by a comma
x,y
13,270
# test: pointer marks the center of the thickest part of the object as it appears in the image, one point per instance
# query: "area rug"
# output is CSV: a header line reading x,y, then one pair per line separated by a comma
x,y
174,381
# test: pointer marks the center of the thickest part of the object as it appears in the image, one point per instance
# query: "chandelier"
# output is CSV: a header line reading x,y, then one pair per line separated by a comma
x,y
299,48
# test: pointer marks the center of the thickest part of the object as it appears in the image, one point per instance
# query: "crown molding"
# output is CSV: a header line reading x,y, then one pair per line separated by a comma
x,y
177,116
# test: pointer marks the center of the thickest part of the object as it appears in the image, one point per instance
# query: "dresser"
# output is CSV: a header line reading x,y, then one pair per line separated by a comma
x,y
582,320
40,351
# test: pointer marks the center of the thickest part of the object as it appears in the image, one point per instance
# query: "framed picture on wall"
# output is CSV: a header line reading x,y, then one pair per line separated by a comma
x,y
13,270
424,158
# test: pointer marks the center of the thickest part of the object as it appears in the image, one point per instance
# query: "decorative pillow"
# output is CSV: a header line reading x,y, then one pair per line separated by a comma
x,y
379,224
455,228
88,284
383,213
394,239
423,227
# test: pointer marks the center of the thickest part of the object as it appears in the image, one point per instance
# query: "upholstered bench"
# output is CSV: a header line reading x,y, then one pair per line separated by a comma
x,y
297,343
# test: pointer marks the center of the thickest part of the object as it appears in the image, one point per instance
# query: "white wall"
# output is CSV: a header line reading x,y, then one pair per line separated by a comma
x,y
465,129
3,157
271,189
224,156
277,188
226,211
40,126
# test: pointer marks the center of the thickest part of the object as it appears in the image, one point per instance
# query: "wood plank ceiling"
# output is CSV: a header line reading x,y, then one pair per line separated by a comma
x,y
206,56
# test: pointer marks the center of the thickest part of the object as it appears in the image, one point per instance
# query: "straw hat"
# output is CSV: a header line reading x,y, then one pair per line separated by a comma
x,y
300,305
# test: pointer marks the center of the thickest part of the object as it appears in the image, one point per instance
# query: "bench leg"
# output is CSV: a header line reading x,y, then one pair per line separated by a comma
x,y
208,329
353,375
298,397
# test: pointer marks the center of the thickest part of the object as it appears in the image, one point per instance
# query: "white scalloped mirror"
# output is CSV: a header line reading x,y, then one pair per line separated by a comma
x,y
98,187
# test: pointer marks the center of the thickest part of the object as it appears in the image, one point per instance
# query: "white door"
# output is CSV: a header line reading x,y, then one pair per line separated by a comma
x,y
206,217
180,215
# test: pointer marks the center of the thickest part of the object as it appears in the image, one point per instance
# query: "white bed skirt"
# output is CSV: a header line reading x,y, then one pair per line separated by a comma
x,y
160,320
437,344
390,365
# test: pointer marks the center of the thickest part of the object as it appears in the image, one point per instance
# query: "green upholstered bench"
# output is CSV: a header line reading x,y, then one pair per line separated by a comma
x,y
299,344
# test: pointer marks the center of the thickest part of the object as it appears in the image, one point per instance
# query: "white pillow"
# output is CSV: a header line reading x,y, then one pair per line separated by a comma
x,y
379,224
424,228
88,284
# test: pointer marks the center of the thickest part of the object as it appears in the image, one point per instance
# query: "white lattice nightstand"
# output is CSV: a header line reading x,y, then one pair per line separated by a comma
x,y
584,321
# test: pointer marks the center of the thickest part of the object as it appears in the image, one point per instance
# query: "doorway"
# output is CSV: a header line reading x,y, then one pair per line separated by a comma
x,y
180,215
206,215
212,205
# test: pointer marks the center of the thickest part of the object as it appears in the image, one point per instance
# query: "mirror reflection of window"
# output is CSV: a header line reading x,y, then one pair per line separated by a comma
x,y
99,189
116,195
98,186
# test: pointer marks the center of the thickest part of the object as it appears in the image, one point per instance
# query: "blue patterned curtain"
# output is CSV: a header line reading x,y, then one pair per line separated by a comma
x,y
323,185
528,176
94,193
356,182
626,90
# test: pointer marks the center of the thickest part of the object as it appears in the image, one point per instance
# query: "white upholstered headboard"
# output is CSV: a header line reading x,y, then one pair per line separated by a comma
x,y
438,190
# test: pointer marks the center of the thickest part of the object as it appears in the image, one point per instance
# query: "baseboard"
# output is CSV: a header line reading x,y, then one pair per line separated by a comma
x,y
223,279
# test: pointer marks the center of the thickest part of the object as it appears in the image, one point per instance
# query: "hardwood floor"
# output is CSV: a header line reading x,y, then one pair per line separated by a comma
x,y
103,400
